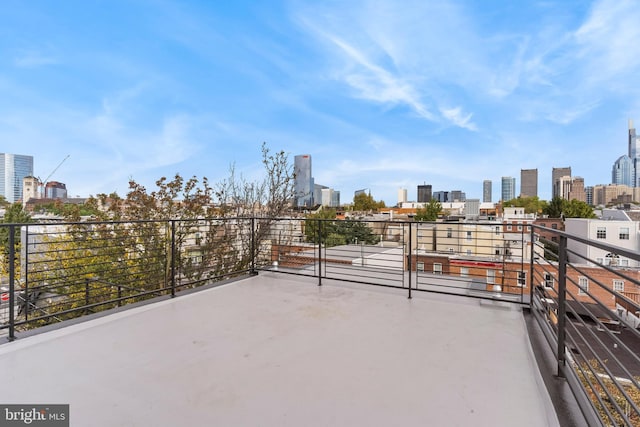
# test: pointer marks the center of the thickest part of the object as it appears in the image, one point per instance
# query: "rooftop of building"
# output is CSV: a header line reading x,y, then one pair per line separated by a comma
x,y
280,350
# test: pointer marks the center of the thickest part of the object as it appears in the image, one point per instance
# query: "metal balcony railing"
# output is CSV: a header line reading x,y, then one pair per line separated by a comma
x,y
586,305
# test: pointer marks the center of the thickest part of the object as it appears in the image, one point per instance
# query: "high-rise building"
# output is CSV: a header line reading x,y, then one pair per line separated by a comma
x,y
528,182
589,195
30,189
402,196
486,191
634,155
622,171
577,190
424,193
556,174
457,196
441,196
508,188
55,190
13,169
335,199
303,182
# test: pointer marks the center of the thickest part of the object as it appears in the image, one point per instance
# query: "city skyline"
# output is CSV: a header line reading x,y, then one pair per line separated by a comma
x,y
143,90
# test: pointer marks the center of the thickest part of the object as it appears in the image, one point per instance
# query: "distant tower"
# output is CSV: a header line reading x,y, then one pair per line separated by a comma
x,y
634,155
622,171
508,188
303,182
529,183
556,175
55,190
424,193
486,191
13,169
402,196
577,191
30,188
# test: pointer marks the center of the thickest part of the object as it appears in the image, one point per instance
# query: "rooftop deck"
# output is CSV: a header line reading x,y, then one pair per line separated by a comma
x,y
280,350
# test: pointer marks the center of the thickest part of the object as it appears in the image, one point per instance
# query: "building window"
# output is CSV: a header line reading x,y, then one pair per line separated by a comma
x,y
437,268
509,227
468,236
548,280
624,233
420,266
468,251
522,278
583,285
451,250
464,272
554,226
618,285
449,232
624,262
491,277
497,231
519,228
554,238
601,233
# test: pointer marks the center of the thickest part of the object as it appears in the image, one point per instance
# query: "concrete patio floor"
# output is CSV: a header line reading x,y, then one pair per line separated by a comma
x,y
277,350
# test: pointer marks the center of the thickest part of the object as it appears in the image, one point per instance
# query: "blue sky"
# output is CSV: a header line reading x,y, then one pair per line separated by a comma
x,y
382,94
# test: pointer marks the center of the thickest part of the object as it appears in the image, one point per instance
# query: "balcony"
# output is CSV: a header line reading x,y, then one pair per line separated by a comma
x,y
281,322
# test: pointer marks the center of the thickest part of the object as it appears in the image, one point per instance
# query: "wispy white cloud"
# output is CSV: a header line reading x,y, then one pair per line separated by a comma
x,y
34,59
376,67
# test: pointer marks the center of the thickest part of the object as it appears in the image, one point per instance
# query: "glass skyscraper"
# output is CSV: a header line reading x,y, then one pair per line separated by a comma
x,y
622,172
508,188
486,191
13,168
303,182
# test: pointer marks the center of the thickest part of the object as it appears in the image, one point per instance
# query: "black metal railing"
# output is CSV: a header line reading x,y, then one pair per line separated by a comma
x,y
587,306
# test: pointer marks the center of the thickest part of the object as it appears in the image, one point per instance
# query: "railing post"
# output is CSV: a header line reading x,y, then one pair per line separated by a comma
x,y
25,272
319,252
12,285
86,294
253,246
562,304
119,296
531,266
173,258
409,263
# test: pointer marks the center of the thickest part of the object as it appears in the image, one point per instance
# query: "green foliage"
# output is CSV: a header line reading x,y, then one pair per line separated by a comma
x,y
530,204
363,202
578,209
559,208
430,211
14,214
555,207
337,232
141,244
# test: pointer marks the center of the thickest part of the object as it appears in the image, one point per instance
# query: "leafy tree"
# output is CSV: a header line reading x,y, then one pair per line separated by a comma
x,y
183,230
559,208
578,209
365,202
337,232
530,204
14,214
429,212
317,221
555,207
